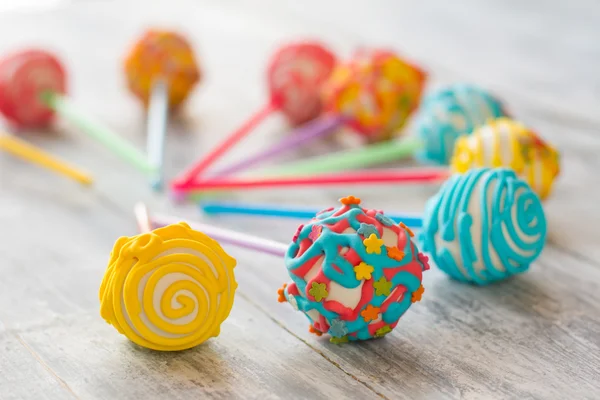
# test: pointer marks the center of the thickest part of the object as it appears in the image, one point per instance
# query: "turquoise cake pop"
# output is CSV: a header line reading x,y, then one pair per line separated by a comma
x,y
484,226
450,112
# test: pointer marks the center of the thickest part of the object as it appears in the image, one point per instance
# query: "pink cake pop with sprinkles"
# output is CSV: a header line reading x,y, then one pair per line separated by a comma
x,y
354,272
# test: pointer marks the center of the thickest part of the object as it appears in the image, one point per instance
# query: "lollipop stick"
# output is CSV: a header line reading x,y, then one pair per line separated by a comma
x,y
226,236
97,131
30,153
142,218
201,166
268,210
305,133
157,130
420,175
374,154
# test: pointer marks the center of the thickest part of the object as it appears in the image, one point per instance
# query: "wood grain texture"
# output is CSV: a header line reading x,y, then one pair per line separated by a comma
x,y
533,337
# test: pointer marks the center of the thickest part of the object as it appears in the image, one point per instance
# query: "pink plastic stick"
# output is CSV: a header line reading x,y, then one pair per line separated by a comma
x,y
415,175
199,167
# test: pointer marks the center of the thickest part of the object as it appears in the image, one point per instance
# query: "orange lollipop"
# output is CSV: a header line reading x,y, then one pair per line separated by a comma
x,y
162,55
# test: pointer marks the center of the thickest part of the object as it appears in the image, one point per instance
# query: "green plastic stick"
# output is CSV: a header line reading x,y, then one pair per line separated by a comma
x,y
99,132
374,154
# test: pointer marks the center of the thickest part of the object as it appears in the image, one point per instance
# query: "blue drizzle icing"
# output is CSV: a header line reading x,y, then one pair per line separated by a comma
x,y
449,113
509,214
327,245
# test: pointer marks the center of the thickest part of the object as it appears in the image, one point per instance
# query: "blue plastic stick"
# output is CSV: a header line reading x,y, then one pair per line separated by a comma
x,y
267,210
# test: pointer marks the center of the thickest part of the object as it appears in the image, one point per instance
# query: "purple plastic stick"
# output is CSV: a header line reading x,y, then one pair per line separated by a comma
x,y
307,132
226,236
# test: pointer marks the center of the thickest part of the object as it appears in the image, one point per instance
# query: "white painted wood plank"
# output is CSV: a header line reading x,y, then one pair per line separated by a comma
x,y
253,358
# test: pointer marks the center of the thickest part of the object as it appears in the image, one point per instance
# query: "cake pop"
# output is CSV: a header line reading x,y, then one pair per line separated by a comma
x,y
374,93
168,289
484,226
295,75
354,271
504,142
33,90
161,71
24,150
449,113
444,115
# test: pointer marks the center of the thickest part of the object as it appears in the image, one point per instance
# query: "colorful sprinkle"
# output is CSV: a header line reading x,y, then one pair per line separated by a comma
x,y
384,220
423,259
315,232
416,296
383,287
395,253
281,294
363,271
370,313
373,244
383,331
338,340
338,328
314,331
367,230
406,228
297,234
318,291
350,200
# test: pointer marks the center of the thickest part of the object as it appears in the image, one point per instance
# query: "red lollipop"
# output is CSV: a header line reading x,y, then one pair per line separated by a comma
x,y
32,90
295,76
24,77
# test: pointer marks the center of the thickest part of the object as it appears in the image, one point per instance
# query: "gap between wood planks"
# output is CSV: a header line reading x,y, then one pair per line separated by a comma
x,y
39,359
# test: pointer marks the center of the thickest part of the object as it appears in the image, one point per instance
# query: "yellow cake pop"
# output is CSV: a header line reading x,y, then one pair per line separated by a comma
x,y
162,55
169,289
507,143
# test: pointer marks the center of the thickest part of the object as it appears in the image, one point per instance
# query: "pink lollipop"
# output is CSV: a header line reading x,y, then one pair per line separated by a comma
x,y
295,76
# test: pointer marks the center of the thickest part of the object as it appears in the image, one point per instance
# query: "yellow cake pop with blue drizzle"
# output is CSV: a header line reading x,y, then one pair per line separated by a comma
x,y
504,142
169,289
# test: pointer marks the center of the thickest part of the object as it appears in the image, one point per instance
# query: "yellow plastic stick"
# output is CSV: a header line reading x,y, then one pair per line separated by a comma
x,y
32,154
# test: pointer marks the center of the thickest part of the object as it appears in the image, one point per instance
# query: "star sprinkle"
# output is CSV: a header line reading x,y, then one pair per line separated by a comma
x,y
383,287
367,230
350,200
424,260
281,294
416,296
315,232
384,220
401,224
297,234
363,271
384,330
318,291
338,328
370,313
314,331
395,253
373,244
341,340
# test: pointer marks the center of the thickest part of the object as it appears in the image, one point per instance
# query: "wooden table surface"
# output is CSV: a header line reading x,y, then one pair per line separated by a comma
x,y
536,336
